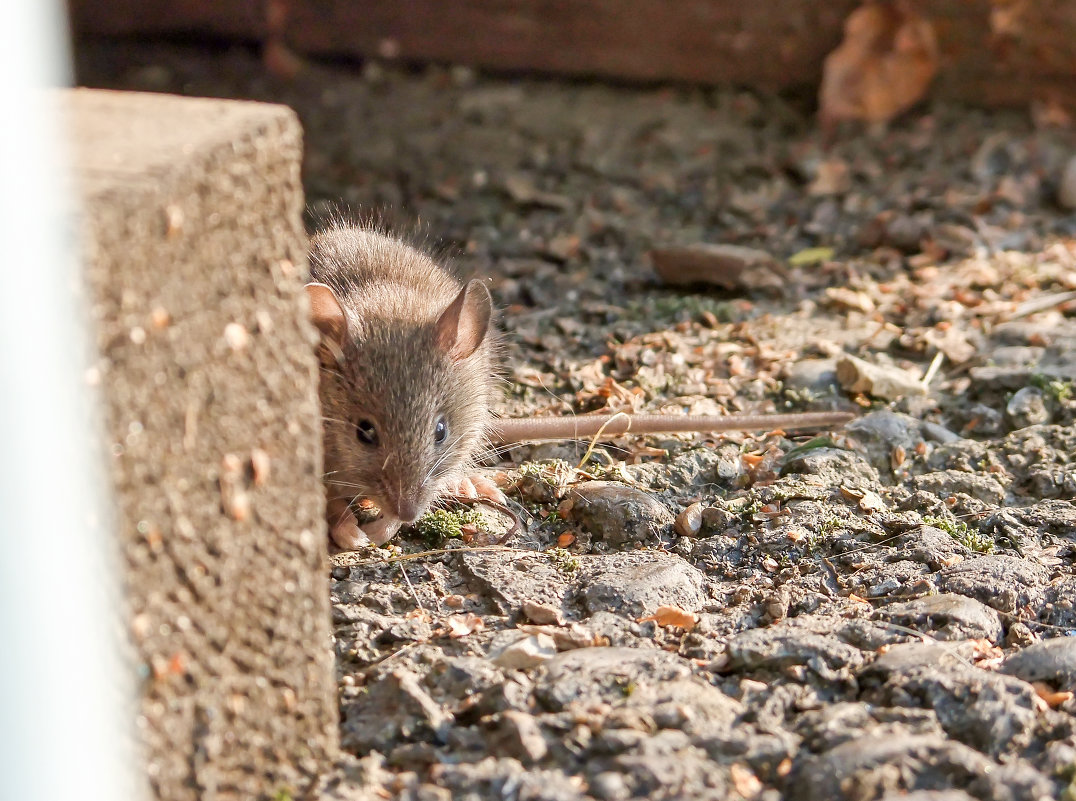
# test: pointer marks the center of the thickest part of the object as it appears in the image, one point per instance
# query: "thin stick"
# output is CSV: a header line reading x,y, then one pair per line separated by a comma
x,y
939,357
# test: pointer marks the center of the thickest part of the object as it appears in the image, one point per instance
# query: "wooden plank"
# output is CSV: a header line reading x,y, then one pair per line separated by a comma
x,y
992,53
233,19
768,43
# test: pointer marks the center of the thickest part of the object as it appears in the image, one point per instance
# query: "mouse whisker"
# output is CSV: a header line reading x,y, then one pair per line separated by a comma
x,y
327,419
449,450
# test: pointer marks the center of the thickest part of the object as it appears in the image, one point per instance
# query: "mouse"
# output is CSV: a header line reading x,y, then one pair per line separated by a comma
x,y
407,358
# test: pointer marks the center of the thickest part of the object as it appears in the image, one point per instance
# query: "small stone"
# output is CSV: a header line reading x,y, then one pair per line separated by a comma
x,y
519,736
714,518
1006,583
609,786
1020,636
1051,660
638,583
1027,407
618,514
946,617
945,483
542,614
527,653
882,381
689,521
816,376
832,177
174,220
231,466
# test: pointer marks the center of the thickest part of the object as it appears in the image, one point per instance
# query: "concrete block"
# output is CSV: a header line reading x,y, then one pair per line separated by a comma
x,y
194,255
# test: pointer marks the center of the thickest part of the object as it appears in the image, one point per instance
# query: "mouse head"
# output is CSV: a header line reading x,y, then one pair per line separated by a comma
x,y
405,402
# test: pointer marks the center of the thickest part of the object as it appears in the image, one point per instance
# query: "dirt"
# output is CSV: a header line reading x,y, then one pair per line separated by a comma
x,y
872,613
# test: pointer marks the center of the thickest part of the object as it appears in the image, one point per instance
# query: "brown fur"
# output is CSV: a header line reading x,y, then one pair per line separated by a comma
x,y
390,370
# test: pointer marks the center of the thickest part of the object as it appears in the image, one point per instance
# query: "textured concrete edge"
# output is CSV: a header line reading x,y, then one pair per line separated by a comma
x,y
155,205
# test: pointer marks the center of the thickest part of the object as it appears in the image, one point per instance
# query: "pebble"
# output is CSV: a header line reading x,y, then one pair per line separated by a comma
x,y
1006,583
946,617
944,483
888,382
689,521
1050,660
1027,407
518,735
817,376
597,675
639,583
617,514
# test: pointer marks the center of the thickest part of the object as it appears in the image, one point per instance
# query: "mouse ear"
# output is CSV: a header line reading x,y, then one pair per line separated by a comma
x,y
463,325
326,312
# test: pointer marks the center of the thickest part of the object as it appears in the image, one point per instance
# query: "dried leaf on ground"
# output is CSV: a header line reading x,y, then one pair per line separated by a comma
x,y
462,625
672,616
883,67
1053,698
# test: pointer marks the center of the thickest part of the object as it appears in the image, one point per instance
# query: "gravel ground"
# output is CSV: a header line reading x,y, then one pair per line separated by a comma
x,y
880,612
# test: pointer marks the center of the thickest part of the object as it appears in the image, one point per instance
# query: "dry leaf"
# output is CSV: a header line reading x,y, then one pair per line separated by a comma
x,y
1053,698
752,459
850,299
462,625
883,67
871,502
567,638
672,616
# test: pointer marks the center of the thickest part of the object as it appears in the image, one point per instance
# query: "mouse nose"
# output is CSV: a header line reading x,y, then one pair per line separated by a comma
x,y
407,510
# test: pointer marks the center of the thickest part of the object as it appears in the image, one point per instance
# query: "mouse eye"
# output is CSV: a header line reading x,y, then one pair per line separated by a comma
x,y
366,433
440,430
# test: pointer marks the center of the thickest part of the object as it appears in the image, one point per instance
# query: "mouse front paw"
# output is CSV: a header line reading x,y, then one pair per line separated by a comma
x,y
346,532
381,530
343,527
476,486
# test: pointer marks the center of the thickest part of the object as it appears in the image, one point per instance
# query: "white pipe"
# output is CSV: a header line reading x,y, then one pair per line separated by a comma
x,y
65,711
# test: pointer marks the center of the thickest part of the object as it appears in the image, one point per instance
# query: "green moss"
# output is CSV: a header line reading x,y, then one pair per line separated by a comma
x,y
1055,388
959,531
830,525
440,524
563,560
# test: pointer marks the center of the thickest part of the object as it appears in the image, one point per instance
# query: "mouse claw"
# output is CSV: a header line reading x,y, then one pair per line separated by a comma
x,y
382,529
349,535
488,490
475,487
346,533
